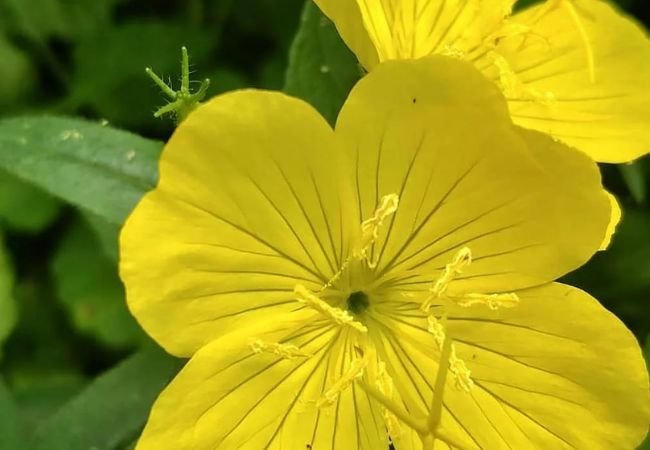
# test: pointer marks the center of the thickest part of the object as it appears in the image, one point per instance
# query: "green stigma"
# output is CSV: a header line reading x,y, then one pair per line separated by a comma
x,y
358,302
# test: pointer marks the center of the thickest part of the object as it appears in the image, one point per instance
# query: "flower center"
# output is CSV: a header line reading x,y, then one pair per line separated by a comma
x,y
358,302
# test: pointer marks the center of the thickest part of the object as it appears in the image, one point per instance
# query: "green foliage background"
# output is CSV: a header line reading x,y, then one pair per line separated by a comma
x,y
76,372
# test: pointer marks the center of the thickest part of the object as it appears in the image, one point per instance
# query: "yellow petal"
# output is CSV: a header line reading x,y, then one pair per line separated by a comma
x,y
401,29
434,132
556,372
228,397
617,214
347,18
592,64
252,200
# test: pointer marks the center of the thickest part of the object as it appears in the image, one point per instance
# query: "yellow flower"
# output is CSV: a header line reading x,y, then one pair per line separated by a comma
x,y
575,69
391,277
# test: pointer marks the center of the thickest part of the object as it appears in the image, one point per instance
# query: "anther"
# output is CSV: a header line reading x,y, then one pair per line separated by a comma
x,y
336,315
370,228
287,351
385,385
353,373
492,301
513,87
436,329
462,259
459,370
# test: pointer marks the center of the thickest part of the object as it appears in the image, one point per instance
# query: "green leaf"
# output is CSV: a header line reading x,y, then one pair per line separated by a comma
x,y
7,303
322,70
24,207
106,232
634,178
98,168
109,413
41,19
17,73
10,427
88,286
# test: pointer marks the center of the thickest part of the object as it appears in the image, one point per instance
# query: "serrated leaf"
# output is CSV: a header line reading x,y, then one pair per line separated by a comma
x,y
88,286
10,429
98,168
322,70
24,207
109,413
7,302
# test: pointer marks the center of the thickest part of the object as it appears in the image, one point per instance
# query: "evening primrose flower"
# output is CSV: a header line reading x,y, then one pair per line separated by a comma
x,y
389,280
575,69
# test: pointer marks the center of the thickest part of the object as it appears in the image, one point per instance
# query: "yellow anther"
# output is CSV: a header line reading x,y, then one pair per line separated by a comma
x,y
456,366
336,315
287,351
460,372
384,383
453,52
437,330
336,276
392,425
370,228
462,259
492,301
353,373
513,87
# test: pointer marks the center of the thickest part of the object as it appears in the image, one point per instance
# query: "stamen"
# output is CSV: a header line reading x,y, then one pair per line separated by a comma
x,y
456,366
353,373
336,315
437,329
492,301
462,259
385,385
392,425
453,52
370,228
336,276
287,351
435,412
460,372
513,87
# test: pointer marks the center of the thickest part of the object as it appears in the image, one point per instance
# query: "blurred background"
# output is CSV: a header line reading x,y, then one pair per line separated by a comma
x,y
63,321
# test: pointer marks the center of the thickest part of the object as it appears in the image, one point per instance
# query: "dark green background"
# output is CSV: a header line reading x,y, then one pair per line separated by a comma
x,y
76,372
